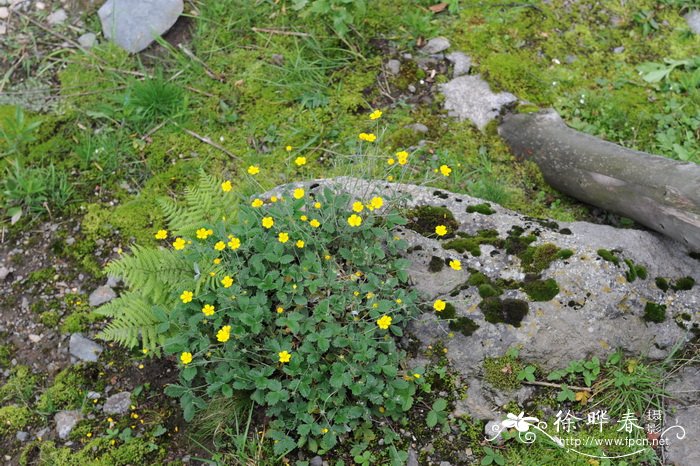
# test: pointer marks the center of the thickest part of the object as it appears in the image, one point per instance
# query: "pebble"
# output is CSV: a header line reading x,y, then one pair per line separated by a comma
x,y
101,295
118,403
4,12
57,17
35,338
316,461
436,45
693,20
65,421
462,63
618,49
4,272
412,458
417,128
40,5
393,67
22,436
84,348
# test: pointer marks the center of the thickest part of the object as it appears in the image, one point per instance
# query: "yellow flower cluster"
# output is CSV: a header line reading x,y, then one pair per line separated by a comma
x,y
257,203
375,115
204,233
226,186
368,137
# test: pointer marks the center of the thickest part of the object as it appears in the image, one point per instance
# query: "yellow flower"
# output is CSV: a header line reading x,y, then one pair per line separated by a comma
x,y
384,322
327,257
445,170
179,244
273,199
439,305
298,193
441,230
324,430
369,137
303,218
354,220
162,234
280,309
390,161
226,186
220,246
317,205
300,244
300,161
227,281
224,334
217,261
208,310
390,178
283,237
257,203
455,264
186,357
284,356
402,157
253,170
288,148
375,115
267,222
381,409
186,296
204,233
235,243
356,293
370,295
376,203
315,223
416,376
357,207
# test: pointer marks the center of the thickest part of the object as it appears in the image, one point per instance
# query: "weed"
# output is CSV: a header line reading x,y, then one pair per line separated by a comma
x,y
16,132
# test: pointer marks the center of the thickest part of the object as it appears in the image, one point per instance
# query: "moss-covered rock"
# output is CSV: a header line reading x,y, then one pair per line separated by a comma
x,y
654,312
424,219
541,290
509,311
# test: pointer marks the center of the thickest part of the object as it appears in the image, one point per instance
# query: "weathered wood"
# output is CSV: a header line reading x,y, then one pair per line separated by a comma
x,y
657,192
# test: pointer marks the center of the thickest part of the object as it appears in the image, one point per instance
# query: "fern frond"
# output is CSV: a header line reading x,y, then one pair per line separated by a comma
x,y
154,272
133,320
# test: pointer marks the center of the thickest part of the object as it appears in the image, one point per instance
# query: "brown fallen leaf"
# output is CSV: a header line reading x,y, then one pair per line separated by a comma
x,y
438,7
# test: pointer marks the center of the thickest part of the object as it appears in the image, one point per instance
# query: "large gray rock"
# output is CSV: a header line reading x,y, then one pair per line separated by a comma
x,y
462,63
471,98
683,451
84,348
118,403
65,421
134,24
596,310
693,20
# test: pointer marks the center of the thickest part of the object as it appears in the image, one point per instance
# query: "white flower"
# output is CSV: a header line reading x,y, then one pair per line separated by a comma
x,y
520,422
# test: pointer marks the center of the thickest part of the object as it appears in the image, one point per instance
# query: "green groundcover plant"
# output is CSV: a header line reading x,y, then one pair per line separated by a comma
x,y
293,301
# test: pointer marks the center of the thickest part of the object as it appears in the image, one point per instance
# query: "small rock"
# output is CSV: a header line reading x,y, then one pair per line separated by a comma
x,y
118,403
4,12
619,49
393,67
40,5
57,17
445,463
693,20
101,295
492,432
462,63
93,395
35,338
570,59
471,98
417,128
134,24
112,281
412,458
84,348
316,461
42,434
22,436
4,273
65,421
436,45
87,41
411,88
277,59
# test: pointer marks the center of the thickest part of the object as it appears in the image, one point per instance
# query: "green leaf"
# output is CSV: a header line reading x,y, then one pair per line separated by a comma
x,y
188,373
431,419
440,404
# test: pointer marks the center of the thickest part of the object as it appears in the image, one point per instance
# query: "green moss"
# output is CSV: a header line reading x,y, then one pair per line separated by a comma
x,y
695,255
477,278
97,452
535,259
484,209
541,290
66,391
449,312
14,418
515,242
464,325
564,254
472,243
424,219
654,312
486,291
662,283
502,372
608,256
635,271
50,318
436,264
41,276
683,284
6,352
509,311
19,386
515,73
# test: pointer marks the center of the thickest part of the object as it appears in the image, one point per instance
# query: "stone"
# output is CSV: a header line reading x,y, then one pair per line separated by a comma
x,y
316,461
118,403
22,436
619,49
57,17
693,20
471,98
412,458
42,434
134,24
93,395
595,310
462,63
4,273
87,41
65,421
683,386
493,432
417,128
4,12
84,348
436,45
393,67
686,450
101,295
